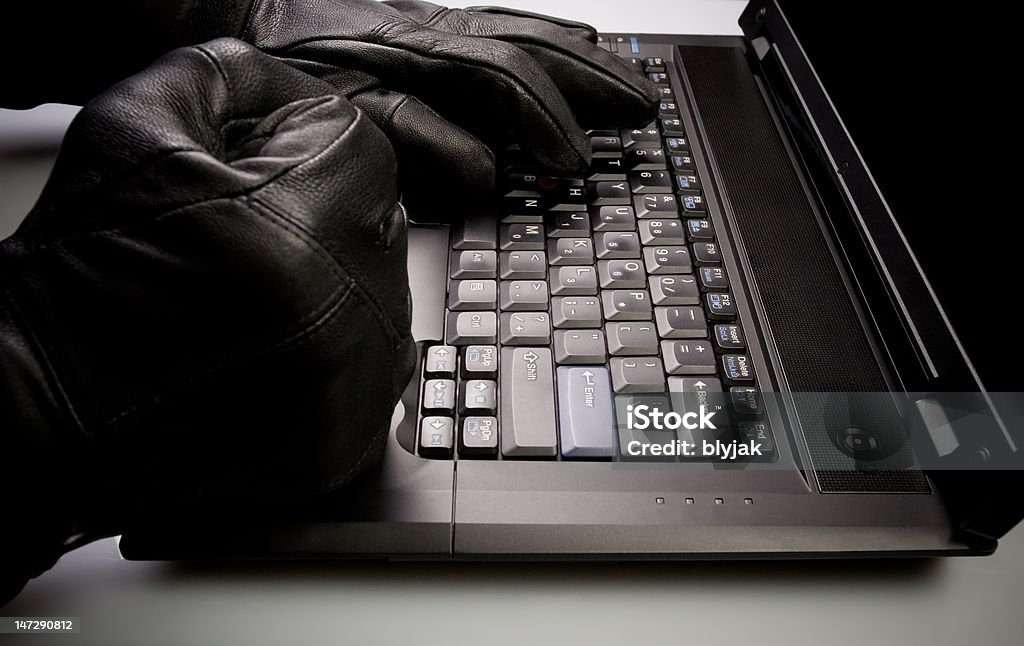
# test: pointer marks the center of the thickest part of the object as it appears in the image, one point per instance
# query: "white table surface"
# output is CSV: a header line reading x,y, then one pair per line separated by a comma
x,y
952,601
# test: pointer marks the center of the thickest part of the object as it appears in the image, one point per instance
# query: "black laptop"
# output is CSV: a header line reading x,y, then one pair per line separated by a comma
x,y
783,265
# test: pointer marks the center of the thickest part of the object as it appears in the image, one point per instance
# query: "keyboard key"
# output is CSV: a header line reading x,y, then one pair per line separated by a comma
x,y
728,337
641,159
746,401
569,225
626,305
473,295
524,203
707,253
693,204
662,232
605,146
721,307
475,232
659,78
642,182
527,403
656,206
637,375
672,127
570,251
632,338
525,328
694,385
436,437
641,138
713,278
523,265
737,370
686,183
759,434
666,93
677,145
573,281
654,64
478,397
649,435
439,397
523,295
617,244
681,322
568,195
667,260
475,264
606,169
621,274
668,110
609,193
613,218
674,290
684,163
576,312
688,357
689,394
522,237
580,347
472,328
479,437
700,230
439,361
585,413
480,362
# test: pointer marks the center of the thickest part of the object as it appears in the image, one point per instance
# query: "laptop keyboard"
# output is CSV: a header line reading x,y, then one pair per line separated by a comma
x,y
585,289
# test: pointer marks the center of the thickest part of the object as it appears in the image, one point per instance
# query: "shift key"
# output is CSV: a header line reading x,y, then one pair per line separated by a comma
x,y
527,403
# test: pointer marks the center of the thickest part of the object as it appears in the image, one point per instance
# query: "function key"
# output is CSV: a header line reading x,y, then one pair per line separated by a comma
x,y
686,183
683,163
713,278
654,64
672,127
668,110
693,204
700,230
721,307
677,144
707,253
666,92
439,361
659,78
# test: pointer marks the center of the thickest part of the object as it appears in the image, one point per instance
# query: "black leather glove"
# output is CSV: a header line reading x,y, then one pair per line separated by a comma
x,y
448,86
208,307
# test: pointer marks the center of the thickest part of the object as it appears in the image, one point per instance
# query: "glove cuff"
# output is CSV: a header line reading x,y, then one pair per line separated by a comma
x,y
39,477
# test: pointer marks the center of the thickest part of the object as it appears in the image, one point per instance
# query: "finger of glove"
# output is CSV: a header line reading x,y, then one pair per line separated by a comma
x,y
601,89
422,12
434,155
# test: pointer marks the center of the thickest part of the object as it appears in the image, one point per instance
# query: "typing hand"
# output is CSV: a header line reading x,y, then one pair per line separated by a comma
x,y
207,308
449,87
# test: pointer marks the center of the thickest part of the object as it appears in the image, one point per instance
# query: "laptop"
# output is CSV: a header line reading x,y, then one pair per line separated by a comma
x,y
739,259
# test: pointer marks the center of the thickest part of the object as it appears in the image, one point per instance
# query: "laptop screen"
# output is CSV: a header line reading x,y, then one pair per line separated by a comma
x,y
922,95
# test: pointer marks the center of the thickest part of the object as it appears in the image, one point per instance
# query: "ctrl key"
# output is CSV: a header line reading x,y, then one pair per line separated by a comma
x,y
479,437
436,437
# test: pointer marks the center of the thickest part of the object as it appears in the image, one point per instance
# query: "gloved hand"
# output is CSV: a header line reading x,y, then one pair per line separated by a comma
x,y
208,307
448,86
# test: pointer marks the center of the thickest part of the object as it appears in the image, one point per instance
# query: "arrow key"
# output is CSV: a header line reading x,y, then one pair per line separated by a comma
x,y
436,435
478,397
